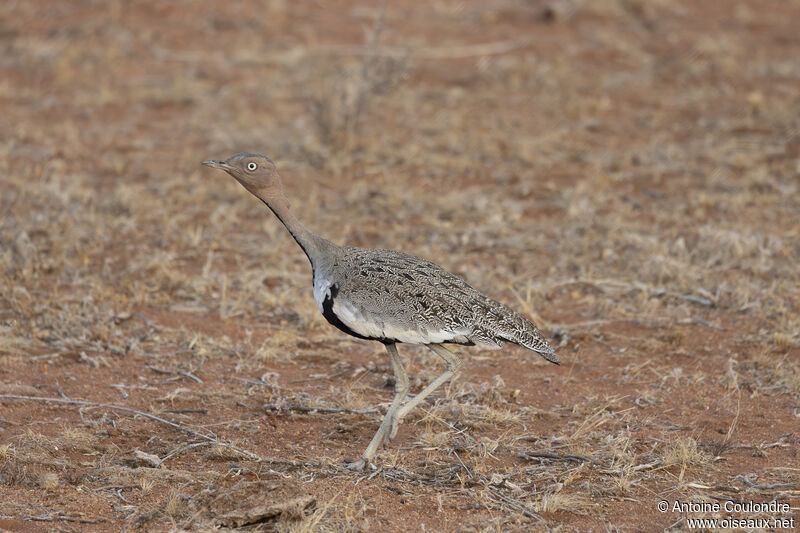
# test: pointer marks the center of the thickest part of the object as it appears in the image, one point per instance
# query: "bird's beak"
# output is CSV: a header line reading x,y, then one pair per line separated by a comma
x,y
216,163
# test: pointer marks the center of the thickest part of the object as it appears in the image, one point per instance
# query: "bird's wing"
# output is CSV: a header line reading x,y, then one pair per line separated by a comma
x,y
390,295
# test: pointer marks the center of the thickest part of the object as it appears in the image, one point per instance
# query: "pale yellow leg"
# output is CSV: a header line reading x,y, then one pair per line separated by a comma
x,y
400,393
453,363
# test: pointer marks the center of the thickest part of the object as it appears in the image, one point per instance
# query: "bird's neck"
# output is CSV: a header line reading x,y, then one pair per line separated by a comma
x,y
316,248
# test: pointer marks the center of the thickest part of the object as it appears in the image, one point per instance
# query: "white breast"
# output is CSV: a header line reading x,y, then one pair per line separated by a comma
x,y
322,288
372,323
385,327
360,322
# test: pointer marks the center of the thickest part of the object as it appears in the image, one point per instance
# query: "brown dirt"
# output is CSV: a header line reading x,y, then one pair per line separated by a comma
x,y
625,172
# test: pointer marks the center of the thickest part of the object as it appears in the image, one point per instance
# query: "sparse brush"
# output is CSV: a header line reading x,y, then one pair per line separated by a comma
x,y
439,440
624,483
561,501
49,482
490,394
78,439
786,340
767,370
731,377
491,416
276,347
177,507
181,393
39,440
341,101
145,484
223,452
312,523
334,516
597,418
621,447
684,453
7,361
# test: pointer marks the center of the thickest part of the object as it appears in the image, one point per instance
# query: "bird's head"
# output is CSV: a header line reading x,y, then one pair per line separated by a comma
x,y
257,173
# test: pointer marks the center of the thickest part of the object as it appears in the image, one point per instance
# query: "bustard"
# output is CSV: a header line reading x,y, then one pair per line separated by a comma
x,y
390,297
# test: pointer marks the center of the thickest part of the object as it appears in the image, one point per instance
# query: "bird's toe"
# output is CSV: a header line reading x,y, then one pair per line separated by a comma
x,y
356,466
392,433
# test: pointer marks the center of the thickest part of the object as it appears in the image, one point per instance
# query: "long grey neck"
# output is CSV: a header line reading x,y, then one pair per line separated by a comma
x,y
319,251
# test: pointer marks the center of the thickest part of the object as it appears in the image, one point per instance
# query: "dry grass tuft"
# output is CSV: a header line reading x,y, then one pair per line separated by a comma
x,y
562,502
340,515
683,453
440,440
177,506
145,484
79,440
341,97
50,482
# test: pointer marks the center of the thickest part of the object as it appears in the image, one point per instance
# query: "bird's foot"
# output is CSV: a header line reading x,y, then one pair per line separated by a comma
x,y
392,433
357,466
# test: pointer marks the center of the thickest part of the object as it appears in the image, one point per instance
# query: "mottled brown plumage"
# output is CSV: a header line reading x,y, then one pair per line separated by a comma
x,y
391,297
405,298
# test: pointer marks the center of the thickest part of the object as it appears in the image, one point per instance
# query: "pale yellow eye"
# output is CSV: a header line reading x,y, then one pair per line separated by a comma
x,y
251,166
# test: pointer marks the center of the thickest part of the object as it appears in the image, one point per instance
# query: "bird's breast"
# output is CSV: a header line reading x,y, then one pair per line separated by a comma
x,y
383,324
322,288
373,313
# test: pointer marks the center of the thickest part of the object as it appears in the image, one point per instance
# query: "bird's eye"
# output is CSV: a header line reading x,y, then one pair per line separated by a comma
x,y
251,166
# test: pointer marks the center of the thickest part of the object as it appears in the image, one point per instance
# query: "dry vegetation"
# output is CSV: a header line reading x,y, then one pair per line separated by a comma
x,y
625,172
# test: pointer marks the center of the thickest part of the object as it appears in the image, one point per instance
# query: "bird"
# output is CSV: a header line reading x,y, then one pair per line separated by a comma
x,y
391,297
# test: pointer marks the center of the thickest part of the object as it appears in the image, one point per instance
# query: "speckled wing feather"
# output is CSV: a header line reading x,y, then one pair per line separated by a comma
x,y
393,296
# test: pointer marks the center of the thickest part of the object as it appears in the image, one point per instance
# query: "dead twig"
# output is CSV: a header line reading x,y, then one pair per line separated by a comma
x,y
180,451
726,499
260,382
555,457
469,473
393,52
203,436
516,506
313,409
771,486
723,488
752,485
443,52
46,356
175,373
60,392
118,492
65,518
146,517
646,466
628,469
697,300
702,322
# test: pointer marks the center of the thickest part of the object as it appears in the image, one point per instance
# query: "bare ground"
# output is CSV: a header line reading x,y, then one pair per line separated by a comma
x,y
624,172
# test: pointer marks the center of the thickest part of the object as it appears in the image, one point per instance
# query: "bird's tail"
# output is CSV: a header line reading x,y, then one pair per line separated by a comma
x,y
550,356
532,339
514,327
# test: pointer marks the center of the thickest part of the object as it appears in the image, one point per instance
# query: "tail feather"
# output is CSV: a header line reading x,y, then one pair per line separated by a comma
x,y
533,340
550,356
512,326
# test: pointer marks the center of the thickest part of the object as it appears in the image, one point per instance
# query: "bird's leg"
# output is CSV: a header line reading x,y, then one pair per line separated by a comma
x,y
453,363
400,393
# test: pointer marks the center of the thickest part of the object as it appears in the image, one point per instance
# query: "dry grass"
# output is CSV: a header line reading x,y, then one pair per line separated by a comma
x,y
626,175
683,453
